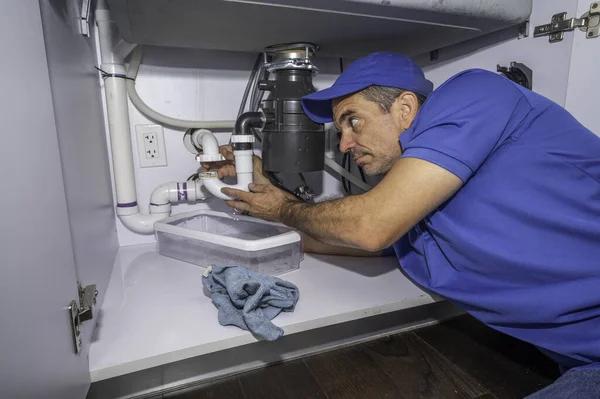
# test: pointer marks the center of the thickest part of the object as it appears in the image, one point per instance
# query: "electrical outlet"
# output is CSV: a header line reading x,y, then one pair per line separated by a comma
x,y
151,146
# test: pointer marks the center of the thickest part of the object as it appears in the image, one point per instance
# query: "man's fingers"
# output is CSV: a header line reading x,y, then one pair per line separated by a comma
x,y
227,152
215,165
239,194
238,205
227,171
258,188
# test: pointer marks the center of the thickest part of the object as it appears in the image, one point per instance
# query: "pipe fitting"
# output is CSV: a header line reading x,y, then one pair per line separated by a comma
x,y
243,126
210,146
248,120
141,223
161,200
243,170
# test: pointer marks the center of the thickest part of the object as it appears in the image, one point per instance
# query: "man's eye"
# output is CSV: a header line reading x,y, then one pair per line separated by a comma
x,y
353,122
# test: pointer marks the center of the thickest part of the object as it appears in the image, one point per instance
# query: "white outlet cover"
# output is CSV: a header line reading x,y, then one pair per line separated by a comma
x,y
146,145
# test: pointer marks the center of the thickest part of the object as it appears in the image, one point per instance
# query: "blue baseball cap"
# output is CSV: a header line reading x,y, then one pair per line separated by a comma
x,y
382,69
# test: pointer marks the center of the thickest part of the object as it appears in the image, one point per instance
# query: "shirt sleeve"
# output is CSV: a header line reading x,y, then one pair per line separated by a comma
x,y
464,121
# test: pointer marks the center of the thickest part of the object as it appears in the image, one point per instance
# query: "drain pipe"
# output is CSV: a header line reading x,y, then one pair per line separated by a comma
x,y
242,140
128,209
206,140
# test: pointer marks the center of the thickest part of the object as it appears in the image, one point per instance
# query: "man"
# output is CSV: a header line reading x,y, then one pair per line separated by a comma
x,y
491,198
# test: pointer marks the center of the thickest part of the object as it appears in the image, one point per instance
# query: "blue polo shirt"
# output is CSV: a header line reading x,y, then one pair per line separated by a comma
x,y
518,246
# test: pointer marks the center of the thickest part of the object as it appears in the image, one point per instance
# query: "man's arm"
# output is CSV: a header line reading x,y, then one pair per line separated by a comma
x,y
371,221
311,245
375,220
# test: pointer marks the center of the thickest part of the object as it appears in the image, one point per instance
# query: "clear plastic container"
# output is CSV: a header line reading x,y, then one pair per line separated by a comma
x,y
215,238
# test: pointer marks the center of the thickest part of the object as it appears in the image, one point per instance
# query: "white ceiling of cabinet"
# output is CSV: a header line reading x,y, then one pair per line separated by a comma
x,y
342,28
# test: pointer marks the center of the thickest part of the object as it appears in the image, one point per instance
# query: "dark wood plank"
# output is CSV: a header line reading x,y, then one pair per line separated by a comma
x,y
226,388
290,380
486,396
507,367
351,373
419,371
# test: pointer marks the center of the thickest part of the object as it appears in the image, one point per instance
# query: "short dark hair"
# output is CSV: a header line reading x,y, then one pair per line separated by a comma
x,y
384,96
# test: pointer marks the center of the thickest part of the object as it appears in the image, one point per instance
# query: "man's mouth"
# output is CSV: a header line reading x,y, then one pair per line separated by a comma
x,y
358,158
357,155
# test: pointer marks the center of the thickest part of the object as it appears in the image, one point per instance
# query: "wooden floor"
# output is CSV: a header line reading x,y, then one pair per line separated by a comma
x,y
461,358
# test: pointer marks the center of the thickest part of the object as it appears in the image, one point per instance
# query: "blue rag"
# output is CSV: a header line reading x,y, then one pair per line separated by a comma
x,y
249,300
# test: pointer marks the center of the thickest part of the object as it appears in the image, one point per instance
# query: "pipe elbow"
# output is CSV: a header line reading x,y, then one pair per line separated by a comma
x,y
160,195
141,223
206,139
173,192
210,146
214,186
248,120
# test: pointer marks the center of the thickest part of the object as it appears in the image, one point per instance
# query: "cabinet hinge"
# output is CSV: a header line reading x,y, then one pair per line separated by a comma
x,y
84,17
589,22
81,313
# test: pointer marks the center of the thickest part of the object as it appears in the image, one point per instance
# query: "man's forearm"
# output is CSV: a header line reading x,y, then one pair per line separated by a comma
x,y
372,221
310,245
336,222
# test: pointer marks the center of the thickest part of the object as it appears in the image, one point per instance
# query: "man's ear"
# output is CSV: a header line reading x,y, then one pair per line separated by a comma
x,y
405,109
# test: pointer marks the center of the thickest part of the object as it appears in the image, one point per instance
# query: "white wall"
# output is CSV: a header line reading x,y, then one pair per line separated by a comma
x,y
209,85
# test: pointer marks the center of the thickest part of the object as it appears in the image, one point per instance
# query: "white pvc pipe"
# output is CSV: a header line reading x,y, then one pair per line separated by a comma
x,y
141,223
160,204
206,139
123,48
120,141
174,192
134,66
347,175
243,170
118,117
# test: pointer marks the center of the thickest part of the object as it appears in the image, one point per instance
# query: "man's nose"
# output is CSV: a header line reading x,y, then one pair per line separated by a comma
x,y
346,142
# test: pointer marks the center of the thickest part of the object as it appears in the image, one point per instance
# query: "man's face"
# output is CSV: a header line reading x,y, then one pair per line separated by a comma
x,y
369,133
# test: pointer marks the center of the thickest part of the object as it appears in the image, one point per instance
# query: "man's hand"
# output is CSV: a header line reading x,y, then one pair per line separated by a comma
x,y
264,201
227,168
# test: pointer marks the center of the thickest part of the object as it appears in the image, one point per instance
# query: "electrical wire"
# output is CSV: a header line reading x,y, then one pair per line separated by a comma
x,y
249,85
346,159
349,169
344,184
302,178
257,94
362,174
332,164
132,71
276,182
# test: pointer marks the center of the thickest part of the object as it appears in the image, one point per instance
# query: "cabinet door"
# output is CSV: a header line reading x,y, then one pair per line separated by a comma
x,y
76,100
37,270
